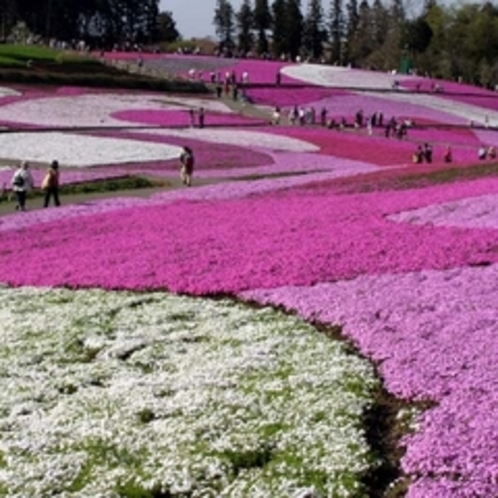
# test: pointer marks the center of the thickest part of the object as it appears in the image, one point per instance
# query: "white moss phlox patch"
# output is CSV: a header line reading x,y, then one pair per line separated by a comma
x,y
104,392
94,109
342,77
81,150
8,92
471,212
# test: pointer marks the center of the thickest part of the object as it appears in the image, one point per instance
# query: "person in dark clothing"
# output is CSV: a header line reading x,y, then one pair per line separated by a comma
x,y
427,153
187,166
201,117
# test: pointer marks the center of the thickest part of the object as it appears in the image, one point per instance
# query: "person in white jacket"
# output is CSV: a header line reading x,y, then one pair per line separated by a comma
x,y
22,182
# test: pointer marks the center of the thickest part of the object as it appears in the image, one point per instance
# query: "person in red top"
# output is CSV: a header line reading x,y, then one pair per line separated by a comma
x,y
50,184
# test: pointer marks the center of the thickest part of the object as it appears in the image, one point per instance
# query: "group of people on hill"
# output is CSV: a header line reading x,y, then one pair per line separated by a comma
x,y
22,183
423,153
486,152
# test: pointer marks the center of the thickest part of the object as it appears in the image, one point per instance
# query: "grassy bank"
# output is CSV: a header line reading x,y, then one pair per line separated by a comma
x,y
31,64
107,186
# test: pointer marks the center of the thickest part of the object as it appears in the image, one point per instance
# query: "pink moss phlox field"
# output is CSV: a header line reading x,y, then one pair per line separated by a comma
x,y
382,151
259,71
182,118
410,275
240,244
215,192
459,92
209,156
296,163
175,64
427,85
433,336
354,145
487,137
287,97
461,137
347,105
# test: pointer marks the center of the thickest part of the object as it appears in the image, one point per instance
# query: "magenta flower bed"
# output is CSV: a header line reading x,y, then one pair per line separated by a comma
x,y
209,156
354,145
382,151
459,92
451,87
312,238
288,97
259,71
182,118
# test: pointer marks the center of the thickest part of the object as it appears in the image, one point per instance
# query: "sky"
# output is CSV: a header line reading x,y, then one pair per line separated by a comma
x,y
194,18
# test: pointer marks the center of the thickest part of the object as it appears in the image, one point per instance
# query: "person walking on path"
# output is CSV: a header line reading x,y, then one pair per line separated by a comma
x,y
201,116
187,166
50,184
22,182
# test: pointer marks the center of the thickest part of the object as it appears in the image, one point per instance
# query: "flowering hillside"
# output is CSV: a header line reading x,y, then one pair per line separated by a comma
x,y
140,347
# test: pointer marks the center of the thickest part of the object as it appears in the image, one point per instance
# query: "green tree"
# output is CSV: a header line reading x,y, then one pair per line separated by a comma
x,y
417,35
351,26
379,24
389,54
224,24
435,60
360,44
245,21
314,32
294,25
9,16
279,14
337,29
487,74
262,22
166,28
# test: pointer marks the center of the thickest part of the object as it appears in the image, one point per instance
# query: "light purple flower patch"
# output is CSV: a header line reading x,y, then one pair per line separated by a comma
x,y
472,212
433,336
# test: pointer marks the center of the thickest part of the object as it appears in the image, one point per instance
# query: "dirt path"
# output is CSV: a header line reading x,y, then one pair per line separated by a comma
x,y
36,202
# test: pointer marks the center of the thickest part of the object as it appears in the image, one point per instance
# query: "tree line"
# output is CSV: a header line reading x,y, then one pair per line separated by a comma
x,y
457,42
102,23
